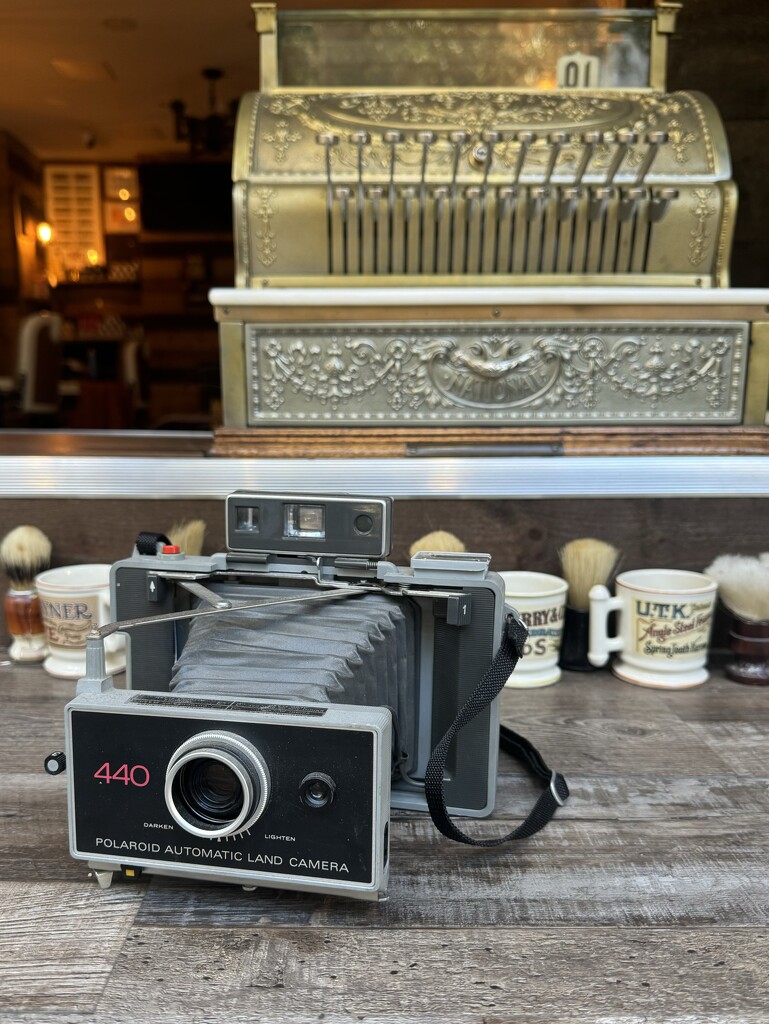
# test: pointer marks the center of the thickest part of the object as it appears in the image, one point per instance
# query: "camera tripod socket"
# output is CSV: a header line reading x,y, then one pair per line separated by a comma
x,y
217,785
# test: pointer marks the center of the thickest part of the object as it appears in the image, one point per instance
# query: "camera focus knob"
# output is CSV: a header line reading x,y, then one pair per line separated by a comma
x,y
55,763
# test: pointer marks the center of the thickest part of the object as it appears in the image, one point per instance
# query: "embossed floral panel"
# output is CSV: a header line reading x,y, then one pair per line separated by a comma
x,y
554,373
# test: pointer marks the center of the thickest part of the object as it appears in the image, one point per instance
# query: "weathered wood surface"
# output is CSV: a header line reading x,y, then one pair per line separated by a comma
x,y
658,873
434,976
501,976
645,900
57,945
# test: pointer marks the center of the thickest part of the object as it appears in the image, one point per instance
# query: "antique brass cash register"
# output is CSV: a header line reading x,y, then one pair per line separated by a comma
x,y
480,226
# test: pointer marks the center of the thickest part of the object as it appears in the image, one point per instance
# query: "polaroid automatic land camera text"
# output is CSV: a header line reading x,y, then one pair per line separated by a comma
x,y
283,695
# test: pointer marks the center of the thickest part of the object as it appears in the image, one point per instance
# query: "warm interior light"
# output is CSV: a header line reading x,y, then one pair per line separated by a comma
x,y
124,194
130,214
92,256
44,232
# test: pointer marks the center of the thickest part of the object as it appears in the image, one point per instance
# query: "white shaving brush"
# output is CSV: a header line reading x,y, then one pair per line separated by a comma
x,y
24,552
743,586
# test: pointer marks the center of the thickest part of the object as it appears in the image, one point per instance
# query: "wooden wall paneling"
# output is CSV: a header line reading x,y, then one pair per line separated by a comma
x,y
683,533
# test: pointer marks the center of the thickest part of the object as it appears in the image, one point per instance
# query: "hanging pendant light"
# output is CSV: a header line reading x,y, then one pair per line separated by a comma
x,y
210,135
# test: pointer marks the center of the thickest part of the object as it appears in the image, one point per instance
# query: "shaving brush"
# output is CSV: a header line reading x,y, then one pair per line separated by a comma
x,y
188,535
584,562
25,552
743,587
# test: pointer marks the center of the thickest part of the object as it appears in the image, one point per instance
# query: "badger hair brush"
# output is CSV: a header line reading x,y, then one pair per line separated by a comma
x,y
743,586
188,535
24,552
584,563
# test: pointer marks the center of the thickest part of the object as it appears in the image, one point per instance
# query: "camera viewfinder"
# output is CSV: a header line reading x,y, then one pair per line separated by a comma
x,y
304,521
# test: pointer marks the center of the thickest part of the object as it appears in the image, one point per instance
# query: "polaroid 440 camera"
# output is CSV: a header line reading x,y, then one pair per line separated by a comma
x,y
283,695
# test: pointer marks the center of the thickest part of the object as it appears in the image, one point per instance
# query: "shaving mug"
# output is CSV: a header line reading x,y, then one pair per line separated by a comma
x,y
74,599
664,617
540,600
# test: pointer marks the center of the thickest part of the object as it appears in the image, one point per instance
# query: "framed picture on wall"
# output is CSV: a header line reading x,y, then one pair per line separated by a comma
x,y
121,218
121,183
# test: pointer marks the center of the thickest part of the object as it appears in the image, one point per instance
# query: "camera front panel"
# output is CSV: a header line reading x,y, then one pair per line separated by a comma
x,y
164,782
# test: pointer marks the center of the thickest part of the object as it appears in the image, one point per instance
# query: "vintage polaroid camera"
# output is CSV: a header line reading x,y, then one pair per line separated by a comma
x,y
282,696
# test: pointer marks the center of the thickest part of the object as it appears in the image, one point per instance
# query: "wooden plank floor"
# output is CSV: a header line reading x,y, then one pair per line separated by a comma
x,y
646,900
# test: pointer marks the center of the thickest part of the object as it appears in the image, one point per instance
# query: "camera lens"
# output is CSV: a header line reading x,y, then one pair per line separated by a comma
x,y
317,790
217,785
210,790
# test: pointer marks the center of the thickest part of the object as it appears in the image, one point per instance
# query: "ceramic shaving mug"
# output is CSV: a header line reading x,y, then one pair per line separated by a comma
x,y
664,618
74,599
540,599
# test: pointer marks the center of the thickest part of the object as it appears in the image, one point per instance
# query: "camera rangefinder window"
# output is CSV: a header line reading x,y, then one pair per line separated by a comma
x,y
247,518
305,521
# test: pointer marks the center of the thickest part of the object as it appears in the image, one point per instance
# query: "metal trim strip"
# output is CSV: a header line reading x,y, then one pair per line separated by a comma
x,y
481,296
504,477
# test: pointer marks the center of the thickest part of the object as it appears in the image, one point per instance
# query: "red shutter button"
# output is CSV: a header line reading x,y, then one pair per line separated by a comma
x,y
171,549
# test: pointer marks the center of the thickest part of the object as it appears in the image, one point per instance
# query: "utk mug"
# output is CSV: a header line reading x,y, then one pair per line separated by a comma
x,y
664,618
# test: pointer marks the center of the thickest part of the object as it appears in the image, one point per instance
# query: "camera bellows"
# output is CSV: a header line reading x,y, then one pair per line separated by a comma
x,y
356,650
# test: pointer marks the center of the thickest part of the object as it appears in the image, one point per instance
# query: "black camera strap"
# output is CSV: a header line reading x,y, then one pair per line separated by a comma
x,y
556,792
147,542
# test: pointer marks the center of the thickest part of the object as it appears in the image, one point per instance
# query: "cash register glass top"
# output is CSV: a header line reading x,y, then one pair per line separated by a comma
x,y
524,49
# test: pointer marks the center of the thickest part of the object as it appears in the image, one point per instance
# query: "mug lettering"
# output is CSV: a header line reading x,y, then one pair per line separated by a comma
x,y
697,646
672,629
647,609
543,617
67,611
538,648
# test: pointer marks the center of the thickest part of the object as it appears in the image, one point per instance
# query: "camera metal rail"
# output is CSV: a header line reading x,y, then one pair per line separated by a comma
x,y
222,605
102,632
